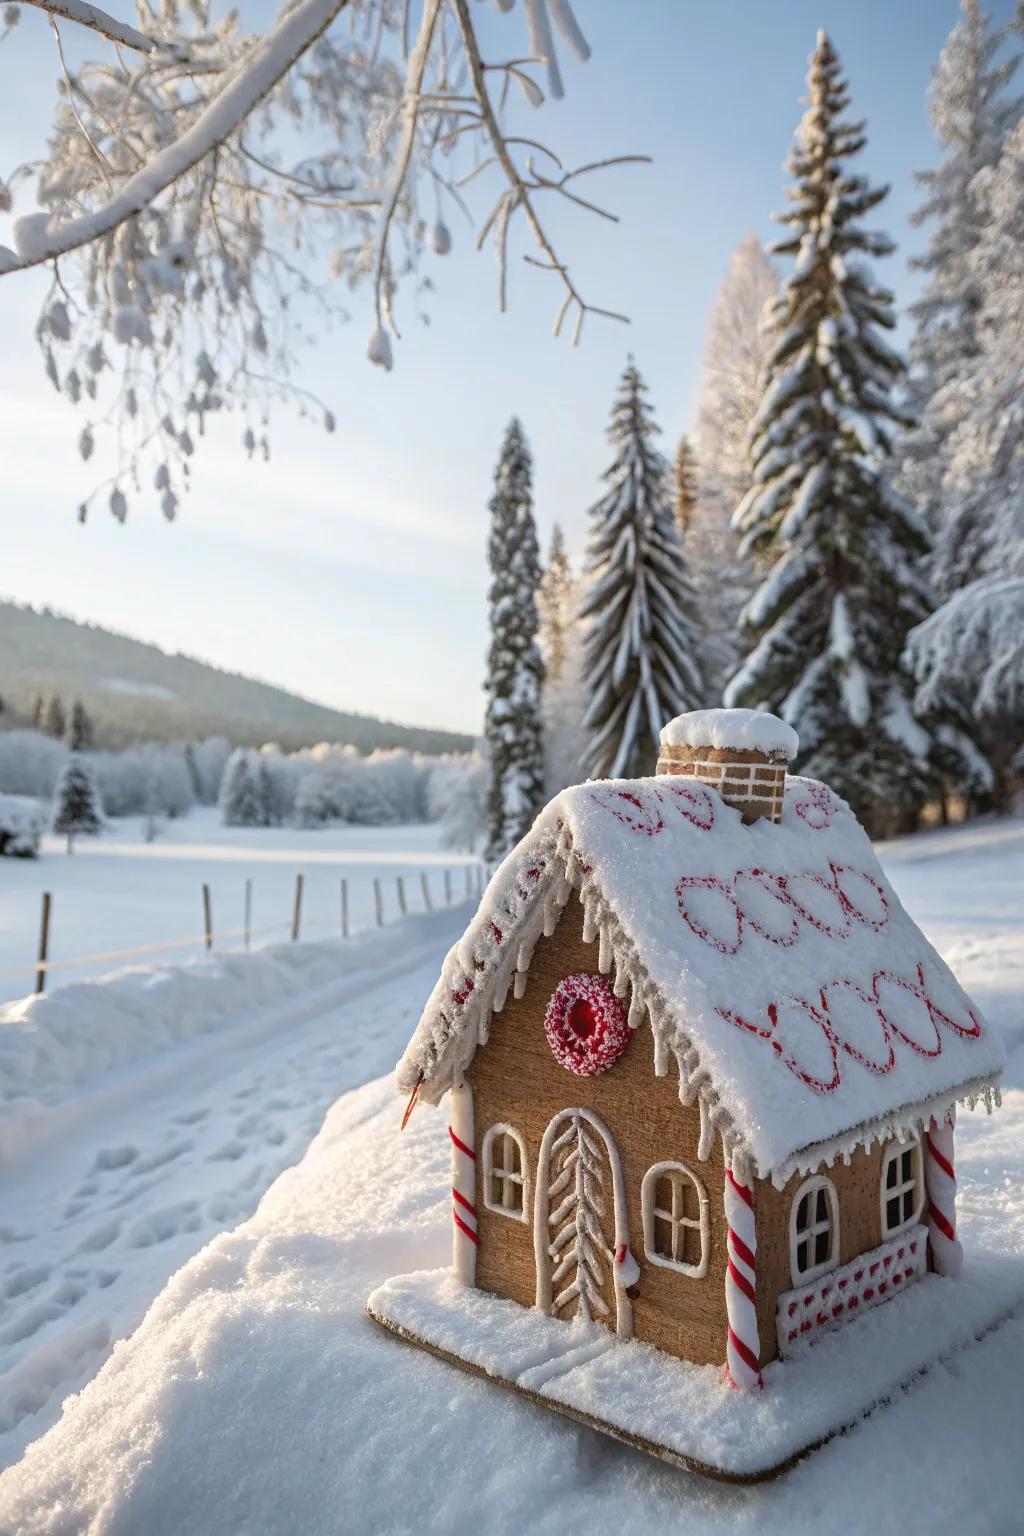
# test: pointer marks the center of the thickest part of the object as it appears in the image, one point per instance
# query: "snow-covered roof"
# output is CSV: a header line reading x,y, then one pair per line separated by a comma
x,y
741,729
805,1009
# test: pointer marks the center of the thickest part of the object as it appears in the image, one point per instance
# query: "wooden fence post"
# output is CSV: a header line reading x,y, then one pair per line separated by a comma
x,y
428,905
248,911
207,918
344,907
44,942
400,883
447,887
377,905
297,909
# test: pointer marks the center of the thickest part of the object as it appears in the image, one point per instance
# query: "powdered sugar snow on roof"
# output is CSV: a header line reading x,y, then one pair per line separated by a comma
x,y
740,729
805,1011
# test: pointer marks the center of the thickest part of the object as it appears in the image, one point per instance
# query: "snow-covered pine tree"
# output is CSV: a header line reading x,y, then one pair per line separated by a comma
x,y
238,800
683,488
77,806
79,728
971,114
561,644
640,648
512,726
734,368
846,580
51,719
970,654
556,606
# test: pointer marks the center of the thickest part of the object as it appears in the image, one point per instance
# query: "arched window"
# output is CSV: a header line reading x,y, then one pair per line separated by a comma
x,y
813,1229
506,1181
901,1191
675,1216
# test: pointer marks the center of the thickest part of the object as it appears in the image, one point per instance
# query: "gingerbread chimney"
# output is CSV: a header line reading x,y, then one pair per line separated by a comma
x,y
742,753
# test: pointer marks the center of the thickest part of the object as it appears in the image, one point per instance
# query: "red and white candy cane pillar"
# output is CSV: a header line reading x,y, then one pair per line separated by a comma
x,y
940,1186
743,1349
464,1238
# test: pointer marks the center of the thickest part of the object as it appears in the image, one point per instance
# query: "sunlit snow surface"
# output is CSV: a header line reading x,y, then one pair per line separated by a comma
x,y
256,1397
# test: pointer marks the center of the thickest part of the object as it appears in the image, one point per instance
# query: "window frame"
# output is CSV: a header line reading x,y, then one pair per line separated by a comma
x,y
650,1212
897,1150
489,1170
809,1187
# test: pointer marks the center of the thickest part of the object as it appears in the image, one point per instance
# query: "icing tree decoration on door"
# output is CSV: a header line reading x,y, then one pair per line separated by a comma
x,y
579,1253
586,1025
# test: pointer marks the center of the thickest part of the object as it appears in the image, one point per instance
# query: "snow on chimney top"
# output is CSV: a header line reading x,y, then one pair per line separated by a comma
x,y
742,753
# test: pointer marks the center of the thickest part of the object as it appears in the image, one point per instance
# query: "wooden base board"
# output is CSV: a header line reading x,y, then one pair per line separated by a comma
x,y
836,1384
638,1442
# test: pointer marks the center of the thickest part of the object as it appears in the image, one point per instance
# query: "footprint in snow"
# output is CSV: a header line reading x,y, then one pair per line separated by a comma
x,y
230,1152
160,1226
115,1157
25,1280
160,1159
192,1117
101,1237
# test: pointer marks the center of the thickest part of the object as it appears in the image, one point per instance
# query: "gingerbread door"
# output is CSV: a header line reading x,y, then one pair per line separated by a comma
x,y
581,1223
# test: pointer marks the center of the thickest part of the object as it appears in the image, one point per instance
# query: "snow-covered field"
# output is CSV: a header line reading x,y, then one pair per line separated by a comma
x,y
118,892
255,1397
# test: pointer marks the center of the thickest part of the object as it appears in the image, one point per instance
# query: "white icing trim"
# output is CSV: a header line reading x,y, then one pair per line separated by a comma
x,y
900,1188
541,1214
522,1179
811,1186
648,1195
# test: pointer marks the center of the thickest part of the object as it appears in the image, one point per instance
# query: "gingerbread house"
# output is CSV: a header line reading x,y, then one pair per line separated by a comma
x,y
702,1071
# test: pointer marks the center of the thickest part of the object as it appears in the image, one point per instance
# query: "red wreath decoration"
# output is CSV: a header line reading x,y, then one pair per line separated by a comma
x,y
586,1025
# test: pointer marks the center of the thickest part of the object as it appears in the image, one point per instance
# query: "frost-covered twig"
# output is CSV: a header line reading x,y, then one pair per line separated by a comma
x,y
98,21
39,241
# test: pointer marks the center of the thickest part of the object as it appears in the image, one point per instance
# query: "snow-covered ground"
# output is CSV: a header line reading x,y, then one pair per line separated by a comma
x,y
123,1178
255,1396
118,892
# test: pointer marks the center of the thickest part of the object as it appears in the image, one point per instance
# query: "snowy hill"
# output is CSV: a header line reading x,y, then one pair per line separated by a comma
x,y
137,692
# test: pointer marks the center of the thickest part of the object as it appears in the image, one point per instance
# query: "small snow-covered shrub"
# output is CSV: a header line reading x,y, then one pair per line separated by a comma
x,y
21,826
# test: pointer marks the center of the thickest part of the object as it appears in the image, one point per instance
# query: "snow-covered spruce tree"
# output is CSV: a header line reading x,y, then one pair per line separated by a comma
x,y
640,649
683,488
561,644
971,652
239,801
846,554
734,368
79,728
971,114
76,801
512,724
51,717
556,606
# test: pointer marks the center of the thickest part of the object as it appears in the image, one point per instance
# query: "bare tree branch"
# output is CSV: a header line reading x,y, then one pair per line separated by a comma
x,y
268,62
98,21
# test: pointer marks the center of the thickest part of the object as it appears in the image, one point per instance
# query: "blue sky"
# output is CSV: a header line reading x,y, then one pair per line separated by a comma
x,y
351,568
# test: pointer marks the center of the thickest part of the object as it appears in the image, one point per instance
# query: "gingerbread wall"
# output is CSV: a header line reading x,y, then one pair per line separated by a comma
x,y
516,1079
860,1229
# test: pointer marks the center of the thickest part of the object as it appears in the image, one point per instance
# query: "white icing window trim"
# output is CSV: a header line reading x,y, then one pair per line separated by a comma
x,y
811,1186
522,1178
648,1195
899,1189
